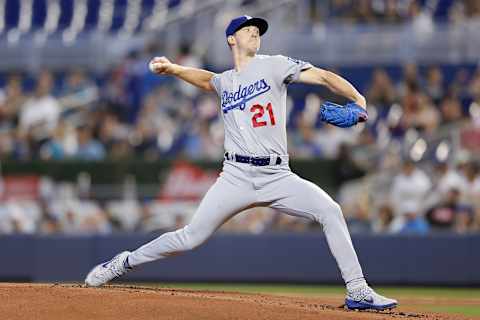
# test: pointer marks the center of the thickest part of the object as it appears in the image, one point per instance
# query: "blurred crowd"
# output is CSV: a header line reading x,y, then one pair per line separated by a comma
x,y
415,182
419,200
125,113
130,113
64,209
416,200
400,11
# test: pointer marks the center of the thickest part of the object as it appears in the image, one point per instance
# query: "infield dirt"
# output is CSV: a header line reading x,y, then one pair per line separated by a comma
x,y
70,301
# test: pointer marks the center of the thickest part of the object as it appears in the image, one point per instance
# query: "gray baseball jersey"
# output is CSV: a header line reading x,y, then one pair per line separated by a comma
x,y
253,104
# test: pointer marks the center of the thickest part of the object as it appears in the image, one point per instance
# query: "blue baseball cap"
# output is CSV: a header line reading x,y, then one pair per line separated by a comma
x,y
243,21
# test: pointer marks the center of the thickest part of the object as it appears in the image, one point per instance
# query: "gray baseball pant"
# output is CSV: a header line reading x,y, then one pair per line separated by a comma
x,y
241,186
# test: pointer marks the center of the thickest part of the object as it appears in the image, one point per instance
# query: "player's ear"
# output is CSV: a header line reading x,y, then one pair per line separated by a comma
x,y
231,40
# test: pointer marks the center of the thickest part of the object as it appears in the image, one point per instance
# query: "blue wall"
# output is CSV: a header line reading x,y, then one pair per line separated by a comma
x,y
435,260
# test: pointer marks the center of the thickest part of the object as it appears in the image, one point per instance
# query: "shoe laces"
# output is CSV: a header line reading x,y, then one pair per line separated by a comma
x,y
116,266
360,293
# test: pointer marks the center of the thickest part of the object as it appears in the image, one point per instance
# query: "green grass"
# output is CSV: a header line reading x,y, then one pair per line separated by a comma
x,y
471,311
309,290
452,294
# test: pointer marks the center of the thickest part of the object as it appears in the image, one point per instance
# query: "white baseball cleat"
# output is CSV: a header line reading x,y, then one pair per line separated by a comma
x,y
366,299
106,271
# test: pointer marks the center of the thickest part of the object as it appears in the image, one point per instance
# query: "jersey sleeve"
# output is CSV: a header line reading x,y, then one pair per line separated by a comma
x,y
288,69
216,83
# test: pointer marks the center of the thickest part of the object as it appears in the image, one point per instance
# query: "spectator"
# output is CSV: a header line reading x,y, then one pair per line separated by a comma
x,y
410,187
384,219
22,145
451,110
200,143
330,139
78,90
158,123
360,221
413,222
187,59
11,101
411,79
341,9
464,10
54,148
6,143
49,224
363,12
115,93
442,216
464,220
421,19
121,150
428,118
472,8
459,87
390,12
112,131
381,93
445,179
449,179
89,149
304,143
23,215
419,112
40,113
471,192
473,94
434,87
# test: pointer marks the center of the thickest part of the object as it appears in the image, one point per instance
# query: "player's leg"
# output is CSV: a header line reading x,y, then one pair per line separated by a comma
x,y
296,196
221,202
299,197
228,196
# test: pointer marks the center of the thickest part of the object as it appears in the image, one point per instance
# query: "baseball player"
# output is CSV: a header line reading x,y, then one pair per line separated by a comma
x,y
255,170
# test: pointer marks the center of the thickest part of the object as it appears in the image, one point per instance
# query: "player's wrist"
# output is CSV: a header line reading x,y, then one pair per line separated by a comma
x,y
175,69
361,101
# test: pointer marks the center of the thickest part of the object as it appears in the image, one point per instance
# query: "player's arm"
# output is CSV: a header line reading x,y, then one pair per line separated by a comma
x,y
198,77
333,82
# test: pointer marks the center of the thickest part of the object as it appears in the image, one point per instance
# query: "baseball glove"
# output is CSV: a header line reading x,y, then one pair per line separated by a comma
x,y
342,116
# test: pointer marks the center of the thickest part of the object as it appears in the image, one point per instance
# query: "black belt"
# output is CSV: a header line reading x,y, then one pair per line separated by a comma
x,y
254,161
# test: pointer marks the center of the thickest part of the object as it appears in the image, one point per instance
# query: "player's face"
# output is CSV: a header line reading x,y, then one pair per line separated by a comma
x,y
248,38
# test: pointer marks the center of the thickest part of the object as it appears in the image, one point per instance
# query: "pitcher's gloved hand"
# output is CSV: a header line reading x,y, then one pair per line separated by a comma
x,y
343,116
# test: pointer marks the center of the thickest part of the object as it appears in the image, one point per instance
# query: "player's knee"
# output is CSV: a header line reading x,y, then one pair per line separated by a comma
x,y
333,212
337,210
338,214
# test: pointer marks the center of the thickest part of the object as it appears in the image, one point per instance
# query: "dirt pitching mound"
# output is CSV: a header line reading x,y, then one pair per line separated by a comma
x,y
63,301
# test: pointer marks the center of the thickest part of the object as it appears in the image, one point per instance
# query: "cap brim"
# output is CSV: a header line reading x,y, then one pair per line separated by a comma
x,y
260,23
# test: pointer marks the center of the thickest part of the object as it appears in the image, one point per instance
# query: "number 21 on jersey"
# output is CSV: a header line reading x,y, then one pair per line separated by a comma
x,y
258,112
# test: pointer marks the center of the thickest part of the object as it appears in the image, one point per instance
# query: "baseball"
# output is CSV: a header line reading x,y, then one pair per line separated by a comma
x,y
151,65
